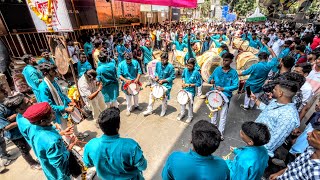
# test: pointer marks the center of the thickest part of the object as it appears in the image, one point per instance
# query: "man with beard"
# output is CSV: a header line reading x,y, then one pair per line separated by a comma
x,y
46,58
32,75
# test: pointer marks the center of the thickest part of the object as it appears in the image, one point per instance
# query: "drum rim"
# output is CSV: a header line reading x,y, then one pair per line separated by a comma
x,y
72,116
159,86
211,92
184,91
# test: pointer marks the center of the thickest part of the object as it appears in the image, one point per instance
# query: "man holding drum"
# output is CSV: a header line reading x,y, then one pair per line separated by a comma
x,y
129,72
191,79
164,76
225,80
51,92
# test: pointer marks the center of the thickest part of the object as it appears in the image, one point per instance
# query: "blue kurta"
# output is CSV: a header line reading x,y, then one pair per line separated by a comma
x,y
24,127
83,67
115,157
88,48
51,151
258,75
129,71
120,50
191,54
147,54
249,163
246,37
33,76
46,96
255,43
43,60
192,77
166,72
180,46
283,53
13,133
265,49
228,80
191,166
107,74
216,39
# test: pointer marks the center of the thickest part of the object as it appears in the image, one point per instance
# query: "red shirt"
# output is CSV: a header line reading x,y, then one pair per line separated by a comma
x,y
315,43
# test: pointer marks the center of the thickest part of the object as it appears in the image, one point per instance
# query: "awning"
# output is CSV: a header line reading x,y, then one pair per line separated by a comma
x,y
173,3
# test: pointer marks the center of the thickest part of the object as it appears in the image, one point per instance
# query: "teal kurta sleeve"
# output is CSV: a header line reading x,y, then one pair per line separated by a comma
x,y
172,75
45,94
234,83
58,157
248,71
138,159
166,171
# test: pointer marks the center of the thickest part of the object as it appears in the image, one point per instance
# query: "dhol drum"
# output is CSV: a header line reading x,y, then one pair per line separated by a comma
x,y
133,89
158,91
183,97
209,66
151,68
214,100
240,44
75,116
245,60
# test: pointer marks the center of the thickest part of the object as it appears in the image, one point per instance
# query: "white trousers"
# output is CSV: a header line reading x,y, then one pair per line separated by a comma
x,y
199,89
190,106
97,105
132,101
152,101
248,102
223,117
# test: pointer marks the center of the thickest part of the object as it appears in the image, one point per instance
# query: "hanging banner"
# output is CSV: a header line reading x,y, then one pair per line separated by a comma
x,y
174,3
50,15
123,12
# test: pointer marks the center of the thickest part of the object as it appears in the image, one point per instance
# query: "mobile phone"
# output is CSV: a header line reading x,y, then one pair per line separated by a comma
x,y
248,90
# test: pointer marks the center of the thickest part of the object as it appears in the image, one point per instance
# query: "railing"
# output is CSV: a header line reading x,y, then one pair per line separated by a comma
x,y
19,44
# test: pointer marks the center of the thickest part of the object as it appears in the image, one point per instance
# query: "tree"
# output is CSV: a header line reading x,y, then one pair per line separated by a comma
x,y
205,8
243,7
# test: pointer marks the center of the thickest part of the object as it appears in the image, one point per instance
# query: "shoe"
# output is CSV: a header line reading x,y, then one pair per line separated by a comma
x,y
163,113
138,108
180,116
147,112
82,135
128,113
244,108
189,120
9,157
202,96
222,138
36,167
278,162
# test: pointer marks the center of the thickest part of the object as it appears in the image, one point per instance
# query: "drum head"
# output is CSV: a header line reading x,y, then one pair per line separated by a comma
x,y
183,97
209,66
215,100
133,89
158,91
151,68
76,116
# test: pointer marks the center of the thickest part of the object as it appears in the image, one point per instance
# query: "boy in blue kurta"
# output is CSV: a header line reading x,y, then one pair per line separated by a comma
x,y
120,50
219,39
129,71
114,157
264,46
51,92
147,54
47,143
191,79
46,58
164,75
258,75
107,75
198,163
225,80
250,161
83,65
32,75
179,44
254,41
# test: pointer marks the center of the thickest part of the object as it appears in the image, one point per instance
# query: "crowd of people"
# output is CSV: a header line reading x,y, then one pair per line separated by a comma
x,y
283,85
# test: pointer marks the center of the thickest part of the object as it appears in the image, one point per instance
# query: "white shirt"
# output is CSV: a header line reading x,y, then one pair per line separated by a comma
x,y
307,93
272,39
73,52
276,47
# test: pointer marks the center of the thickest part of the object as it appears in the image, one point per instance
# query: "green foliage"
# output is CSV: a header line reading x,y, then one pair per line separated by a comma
x,y
314,8
205,8
243,7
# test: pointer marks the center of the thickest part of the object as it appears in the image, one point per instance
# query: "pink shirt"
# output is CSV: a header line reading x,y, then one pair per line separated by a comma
x,y
314,79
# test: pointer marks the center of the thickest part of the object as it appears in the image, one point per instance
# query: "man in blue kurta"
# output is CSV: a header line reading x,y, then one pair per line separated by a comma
x,y
147,54
179,44
83,65
198,163
164,76
264,46
129,72
225,80
283,53
114,157
251,160
32,75
107,75
219,39
46,142
254,41
191,79
46,58
258,75
51,92
120,50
